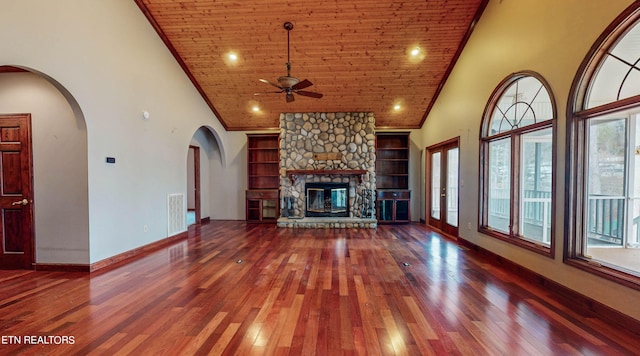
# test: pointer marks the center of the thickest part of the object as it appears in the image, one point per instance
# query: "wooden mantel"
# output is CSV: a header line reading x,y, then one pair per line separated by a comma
x,y
294,173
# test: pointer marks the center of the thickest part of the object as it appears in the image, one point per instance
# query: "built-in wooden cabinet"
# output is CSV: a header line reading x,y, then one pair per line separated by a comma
x,y
262,205
393,206
263,177
393,197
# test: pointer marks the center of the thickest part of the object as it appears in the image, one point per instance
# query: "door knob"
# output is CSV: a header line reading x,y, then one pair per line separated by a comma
x,y
20,202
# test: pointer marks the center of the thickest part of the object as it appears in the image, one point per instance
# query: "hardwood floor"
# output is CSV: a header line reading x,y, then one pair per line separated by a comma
x,y
240,289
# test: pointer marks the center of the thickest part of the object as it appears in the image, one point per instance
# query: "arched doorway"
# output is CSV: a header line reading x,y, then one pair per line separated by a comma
x,y
59,197
205,159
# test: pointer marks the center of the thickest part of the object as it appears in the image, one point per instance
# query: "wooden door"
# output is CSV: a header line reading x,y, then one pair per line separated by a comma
x,y
16,181
443,174
196,183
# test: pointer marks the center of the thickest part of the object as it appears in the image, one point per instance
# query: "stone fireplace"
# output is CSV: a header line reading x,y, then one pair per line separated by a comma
x,y
322,151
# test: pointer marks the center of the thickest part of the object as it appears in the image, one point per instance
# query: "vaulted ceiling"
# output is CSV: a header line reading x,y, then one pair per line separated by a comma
x,y
386,57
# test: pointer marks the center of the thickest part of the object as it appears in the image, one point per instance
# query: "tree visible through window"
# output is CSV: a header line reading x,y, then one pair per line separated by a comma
x,y
517,159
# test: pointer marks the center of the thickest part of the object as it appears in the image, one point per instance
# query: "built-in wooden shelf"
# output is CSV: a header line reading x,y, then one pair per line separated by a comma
x,y
263,177
393,197
392,160
294,173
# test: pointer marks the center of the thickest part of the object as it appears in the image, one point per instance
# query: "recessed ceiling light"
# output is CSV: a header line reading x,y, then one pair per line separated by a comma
x,y
397,107
231,58
415,54
253,107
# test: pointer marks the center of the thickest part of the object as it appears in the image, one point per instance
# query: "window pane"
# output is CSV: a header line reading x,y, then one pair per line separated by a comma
x,y
633,240
631,85
613,200
628,48
524,102
535,187
617,73
452,186
606,182
606,156
499,184
607,82
435,185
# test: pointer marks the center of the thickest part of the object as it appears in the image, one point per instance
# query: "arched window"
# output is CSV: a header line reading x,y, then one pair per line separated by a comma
x,y
603,211
517,160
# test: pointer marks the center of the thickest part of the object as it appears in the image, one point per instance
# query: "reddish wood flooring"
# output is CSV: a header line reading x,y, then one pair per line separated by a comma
x,y
240,289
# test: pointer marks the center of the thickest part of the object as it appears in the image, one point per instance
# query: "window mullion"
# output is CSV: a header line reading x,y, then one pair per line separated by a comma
x,y
630,191
514,215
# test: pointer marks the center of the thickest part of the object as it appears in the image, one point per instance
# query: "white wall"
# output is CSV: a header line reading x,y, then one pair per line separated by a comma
x,y
59,142
223,175
109,58
551,38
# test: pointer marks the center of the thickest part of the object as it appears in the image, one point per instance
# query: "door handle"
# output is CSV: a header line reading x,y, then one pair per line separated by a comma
x,y
20,202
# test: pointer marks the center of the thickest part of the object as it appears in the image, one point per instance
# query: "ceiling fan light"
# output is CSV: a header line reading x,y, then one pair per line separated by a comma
x,y
287,82
290,97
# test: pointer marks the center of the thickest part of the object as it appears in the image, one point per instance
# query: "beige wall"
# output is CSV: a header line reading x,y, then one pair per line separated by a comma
x,y
551,38
109,59
59,141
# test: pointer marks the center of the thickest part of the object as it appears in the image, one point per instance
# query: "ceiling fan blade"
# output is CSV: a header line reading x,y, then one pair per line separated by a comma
x,y
309,94
268,82
290,97
301,85
269,92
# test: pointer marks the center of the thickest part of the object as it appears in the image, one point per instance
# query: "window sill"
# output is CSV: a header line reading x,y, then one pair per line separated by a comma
x,y
606,272
539,249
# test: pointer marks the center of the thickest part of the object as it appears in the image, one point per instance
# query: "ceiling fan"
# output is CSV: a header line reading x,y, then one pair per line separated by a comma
x,y
288,84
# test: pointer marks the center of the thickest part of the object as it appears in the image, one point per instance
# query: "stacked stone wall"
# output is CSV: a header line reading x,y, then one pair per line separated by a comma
x,y
328,141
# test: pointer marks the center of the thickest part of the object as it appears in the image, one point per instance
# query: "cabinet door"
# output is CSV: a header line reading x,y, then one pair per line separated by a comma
x,y
402,210
385,210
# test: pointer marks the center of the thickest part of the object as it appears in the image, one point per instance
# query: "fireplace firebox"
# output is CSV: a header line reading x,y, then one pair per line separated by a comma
x,y
327,199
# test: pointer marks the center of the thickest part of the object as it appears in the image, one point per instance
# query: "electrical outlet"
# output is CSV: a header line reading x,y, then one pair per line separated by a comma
x,y
145,228
469,226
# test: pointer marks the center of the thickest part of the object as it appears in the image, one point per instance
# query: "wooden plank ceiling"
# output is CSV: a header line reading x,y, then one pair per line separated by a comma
x,y
356,53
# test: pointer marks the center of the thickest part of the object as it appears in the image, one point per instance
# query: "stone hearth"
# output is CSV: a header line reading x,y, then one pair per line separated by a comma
x,y
327,147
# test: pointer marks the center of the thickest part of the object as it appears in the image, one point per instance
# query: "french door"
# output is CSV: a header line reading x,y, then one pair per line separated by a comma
x,y
443,181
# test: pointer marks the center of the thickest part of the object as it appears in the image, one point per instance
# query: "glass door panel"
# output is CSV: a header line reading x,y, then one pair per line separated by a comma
x,y
386,210
452,186
436,178
402,210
